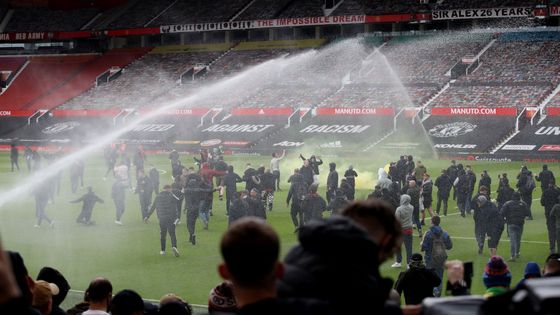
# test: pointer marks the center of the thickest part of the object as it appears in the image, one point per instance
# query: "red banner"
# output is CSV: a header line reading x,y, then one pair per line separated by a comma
x,y
281,111
16,113
473,111
84,112
391,18
344,111
553,111
199,112
555,11
550,148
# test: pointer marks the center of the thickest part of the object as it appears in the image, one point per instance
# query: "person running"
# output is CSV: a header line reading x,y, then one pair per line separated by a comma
x,y
89,200
167,213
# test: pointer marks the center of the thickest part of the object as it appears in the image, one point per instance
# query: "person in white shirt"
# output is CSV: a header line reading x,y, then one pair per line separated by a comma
x,y
275,167
99,295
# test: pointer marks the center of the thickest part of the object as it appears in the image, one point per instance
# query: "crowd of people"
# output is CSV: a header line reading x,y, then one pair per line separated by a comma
x,y
380,226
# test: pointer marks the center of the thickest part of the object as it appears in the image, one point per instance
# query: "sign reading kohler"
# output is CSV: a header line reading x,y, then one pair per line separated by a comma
x,y
493,13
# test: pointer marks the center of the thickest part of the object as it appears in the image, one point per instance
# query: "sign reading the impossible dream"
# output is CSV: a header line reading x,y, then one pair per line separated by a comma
x,y
482,13
243,25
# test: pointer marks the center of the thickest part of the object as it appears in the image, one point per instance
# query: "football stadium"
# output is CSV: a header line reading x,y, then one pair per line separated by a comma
x,y
279,157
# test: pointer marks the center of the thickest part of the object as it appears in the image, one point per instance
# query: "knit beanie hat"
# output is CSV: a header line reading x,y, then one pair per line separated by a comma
x,y
532,270
416,261
496,273
221,299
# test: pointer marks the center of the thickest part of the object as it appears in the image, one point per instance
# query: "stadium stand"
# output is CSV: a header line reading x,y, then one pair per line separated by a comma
x,y
364,95
11,64
380,7
262,9
140,14
142,81
196,11
350,7
458,4
42,20
302,8
555,102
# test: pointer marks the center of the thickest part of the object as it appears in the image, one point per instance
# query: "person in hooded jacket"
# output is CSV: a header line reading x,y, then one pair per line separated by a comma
x,y
167,212
414,192
433,236
545,177
144,189
389,198
296,194
410,166
332,182
514,213
313,205
153,174
401,172
418,282
452,172
523,179
505,194
347,190
443,184
268,185
426,193
193,199
314,163
250,177
485,180
366,235
383,180
307,172
404,216
52,275
487,223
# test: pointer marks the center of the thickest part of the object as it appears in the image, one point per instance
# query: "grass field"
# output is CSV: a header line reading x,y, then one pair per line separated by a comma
x,y
129,255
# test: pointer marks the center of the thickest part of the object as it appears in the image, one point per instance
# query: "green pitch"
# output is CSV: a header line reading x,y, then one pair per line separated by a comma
x,y
129,255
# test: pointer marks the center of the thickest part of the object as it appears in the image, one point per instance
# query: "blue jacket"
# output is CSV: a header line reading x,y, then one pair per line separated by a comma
x,y
434,231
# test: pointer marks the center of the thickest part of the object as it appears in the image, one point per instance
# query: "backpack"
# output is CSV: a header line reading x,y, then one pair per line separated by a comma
x,y
439,253
530,184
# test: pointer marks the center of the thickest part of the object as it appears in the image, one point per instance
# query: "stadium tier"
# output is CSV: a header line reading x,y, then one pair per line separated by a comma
x,y
196,11
41,20
139,14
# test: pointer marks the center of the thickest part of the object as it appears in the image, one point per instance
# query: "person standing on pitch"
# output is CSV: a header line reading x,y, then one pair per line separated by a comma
x,y
167,213
41,199
443,183
230,183
154,178
118,195
14,156
332,182
275,167
298,190
28,155
549,199
89,200
144,190
350,176
545,177
193,198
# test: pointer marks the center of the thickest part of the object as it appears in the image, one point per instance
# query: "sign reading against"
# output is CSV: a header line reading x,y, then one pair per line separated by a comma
x,y
237,128
493,13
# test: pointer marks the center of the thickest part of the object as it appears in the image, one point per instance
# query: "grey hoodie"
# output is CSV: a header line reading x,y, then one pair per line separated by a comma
x,y
383,179
404,212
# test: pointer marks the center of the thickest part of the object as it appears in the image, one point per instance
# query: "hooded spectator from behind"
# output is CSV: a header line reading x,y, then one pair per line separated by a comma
x,y
532,271
52,275
552,266
418,282
127,302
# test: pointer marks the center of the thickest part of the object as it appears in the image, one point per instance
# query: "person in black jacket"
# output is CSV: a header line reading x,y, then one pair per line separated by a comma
x,y
417,282
230,183
251,178
89,200
314,163
365,235
347,189
338,203
41,194
350,176
255,205
526,185
14,156
485,180
307,172
144,190
514,212
452,172
549,198
268,185
332,182
443,184
239,206
52,275
488,223
313,205
545,177
167,212
296,194
426,191
505,194
193,197
154,178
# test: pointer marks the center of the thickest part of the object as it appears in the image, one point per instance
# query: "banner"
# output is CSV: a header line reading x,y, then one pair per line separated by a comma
x,y
25,36
242,25
281,111
473,111
482,13
85,112
16,113
344,111
553,111
555,11
199,112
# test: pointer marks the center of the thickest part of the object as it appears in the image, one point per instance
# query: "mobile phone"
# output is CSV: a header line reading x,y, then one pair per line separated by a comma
x,y
468,275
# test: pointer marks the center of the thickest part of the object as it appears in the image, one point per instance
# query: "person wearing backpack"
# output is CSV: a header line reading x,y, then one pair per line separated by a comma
x,y
436,243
